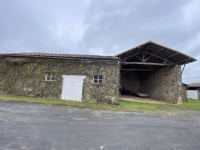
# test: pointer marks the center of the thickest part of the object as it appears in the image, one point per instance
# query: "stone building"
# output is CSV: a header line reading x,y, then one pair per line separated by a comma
x,y
148,68
84,78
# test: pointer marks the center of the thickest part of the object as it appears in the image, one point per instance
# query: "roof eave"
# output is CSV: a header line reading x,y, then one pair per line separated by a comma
x,y
65,58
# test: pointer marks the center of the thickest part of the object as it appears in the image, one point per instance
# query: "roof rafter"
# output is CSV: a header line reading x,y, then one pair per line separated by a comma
x,y
161,58
185,61
172,55
125,58
163,54
159,50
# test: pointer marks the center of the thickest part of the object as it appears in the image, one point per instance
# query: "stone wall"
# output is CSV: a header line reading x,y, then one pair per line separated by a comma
x,y
164,84
198,93
184,94
131,82
26,76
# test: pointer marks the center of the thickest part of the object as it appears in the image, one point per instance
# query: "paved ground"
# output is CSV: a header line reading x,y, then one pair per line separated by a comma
x,y
37,127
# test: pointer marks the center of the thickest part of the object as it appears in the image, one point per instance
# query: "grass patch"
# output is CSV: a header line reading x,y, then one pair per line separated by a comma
x,y
122,106
190,105
62,103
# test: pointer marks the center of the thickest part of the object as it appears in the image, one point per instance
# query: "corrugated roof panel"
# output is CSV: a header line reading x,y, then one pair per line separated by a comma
x,y
160,51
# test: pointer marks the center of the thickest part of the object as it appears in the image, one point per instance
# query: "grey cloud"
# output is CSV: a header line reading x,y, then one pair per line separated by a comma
x,y
103,27
115,26
35,25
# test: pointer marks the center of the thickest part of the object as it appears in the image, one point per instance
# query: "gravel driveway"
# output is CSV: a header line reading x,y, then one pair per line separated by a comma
x,y
37,127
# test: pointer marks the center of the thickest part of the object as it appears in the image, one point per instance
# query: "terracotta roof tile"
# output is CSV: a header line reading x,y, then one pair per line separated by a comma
x,y
59,56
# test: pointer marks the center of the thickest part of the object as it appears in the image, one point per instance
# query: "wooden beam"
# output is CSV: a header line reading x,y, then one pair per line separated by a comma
x,y
152,68
161,58
172,55
159,50
133,73
139,58
137,70
132,55
144,49
147,63
151,55
184,61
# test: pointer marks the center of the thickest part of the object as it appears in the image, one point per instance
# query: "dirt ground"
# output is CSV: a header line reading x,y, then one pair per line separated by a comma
x,y
140,99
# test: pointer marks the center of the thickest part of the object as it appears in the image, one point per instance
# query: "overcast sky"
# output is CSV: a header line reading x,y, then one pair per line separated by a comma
x,y
101,27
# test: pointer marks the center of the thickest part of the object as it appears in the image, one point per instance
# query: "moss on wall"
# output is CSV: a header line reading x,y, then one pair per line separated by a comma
x,y
164,84
26,76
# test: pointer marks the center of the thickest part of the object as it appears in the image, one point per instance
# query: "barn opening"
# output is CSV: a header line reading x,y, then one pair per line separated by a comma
x,y
154,71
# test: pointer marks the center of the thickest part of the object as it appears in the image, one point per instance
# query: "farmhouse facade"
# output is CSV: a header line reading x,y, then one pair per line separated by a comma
x,y
148,68
85,78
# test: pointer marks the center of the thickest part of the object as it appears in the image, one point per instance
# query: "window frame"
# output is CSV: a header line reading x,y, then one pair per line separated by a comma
x,y
97,79
50,76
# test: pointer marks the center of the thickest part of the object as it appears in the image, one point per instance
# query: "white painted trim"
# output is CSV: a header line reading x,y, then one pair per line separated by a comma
x,y
74,76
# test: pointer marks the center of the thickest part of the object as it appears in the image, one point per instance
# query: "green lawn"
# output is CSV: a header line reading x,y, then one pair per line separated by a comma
x,y
122,106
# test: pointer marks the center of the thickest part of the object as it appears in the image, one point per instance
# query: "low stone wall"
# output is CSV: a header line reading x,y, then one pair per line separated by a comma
x,y
164,84
26,76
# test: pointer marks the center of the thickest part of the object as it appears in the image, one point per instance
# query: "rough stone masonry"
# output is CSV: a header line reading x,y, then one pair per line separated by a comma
x,y
162,85
26,76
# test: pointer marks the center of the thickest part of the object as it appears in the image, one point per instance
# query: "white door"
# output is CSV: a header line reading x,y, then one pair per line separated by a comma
x,y
72,87
192,94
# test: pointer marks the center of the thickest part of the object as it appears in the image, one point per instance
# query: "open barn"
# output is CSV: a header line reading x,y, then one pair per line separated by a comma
x,y
153,70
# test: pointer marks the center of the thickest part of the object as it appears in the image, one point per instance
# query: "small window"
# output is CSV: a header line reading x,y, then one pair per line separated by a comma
x,y
50,76
98,79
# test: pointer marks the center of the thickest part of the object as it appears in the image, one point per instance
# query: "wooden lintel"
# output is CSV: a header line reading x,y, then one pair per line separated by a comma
x,y
148,63
137,70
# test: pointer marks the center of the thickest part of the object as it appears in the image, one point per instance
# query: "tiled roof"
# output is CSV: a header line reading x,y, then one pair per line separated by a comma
x,y
194,84
59,56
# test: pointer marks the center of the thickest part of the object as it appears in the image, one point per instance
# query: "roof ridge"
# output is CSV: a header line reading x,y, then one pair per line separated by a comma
x,y
54,55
